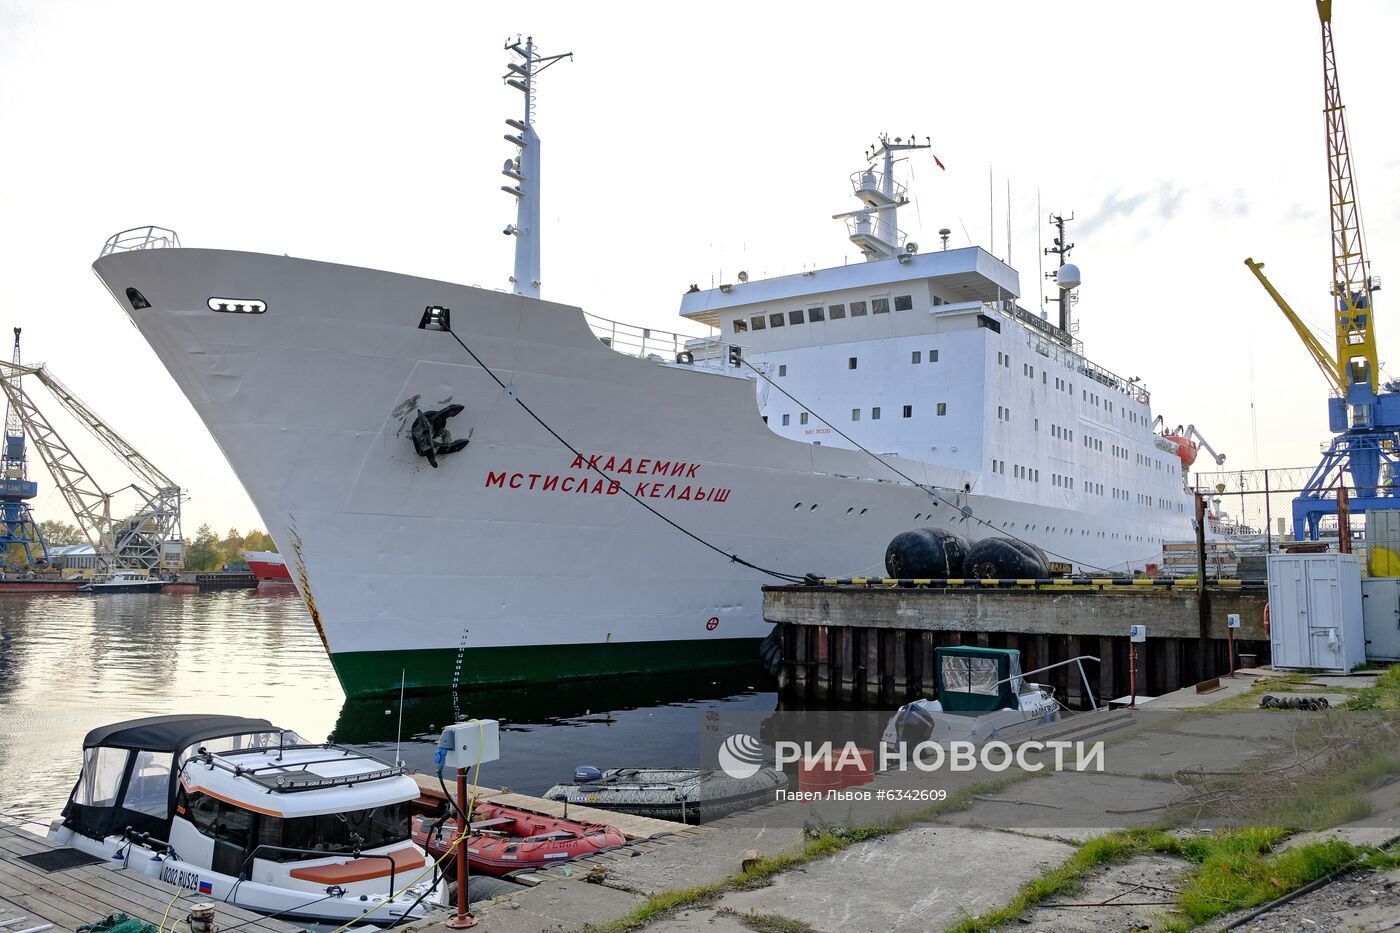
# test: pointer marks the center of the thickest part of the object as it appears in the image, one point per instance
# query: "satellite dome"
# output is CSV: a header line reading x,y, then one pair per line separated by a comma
x,y
1068,276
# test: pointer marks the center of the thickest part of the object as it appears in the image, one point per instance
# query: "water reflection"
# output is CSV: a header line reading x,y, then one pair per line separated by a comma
x,y
69,663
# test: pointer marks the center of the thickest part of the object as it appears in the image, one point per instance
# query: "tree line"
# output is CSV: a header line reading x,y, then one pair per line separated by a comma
x,y
206,551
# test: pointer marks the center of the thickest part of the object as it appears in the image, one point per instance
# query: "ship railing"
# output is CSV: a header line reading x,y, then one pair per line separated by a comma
x,y
148,237
660,346
871,180
1055,350
863,224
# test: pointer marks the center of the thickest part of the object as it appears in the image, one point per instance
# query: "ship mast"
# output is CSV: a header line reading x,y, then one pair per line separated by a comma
x,y
875,228
1066,277
524,169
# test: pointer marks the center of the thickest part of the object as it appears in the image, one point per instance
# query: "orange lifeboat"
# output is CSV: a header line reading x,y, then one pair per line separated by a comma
x,y
1185,449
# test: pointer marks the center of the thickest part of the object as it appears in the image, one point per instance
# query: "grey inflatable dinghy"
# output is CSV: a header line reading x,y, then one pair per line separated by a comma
x,y
681,795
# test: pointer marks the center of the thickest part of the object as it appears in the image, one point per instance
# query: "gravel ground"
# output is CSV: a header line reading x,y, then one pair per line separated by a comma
x,y
1363,902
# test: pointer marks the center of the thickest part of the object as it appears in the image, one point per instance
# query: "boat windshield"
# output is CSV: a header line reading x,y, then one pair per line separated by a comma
x,y
338,833
245,742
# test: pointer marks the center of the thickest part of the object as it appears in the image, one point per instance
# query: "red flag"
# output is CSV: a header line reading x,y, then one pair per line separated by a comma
x,y
938,163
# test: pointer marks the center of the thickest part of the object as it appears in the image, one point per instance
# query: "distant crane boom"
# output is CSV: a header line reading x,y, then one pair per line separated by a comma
x,y
1320,354
109,438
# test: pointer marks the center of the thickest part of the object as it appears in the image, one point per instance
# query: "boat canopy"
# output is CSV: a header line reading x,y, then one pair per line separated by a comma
x,y
129,768
977,680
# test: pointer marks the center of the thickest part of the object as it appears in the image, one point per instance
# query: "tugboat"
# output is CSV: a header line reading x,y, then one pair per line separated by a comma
x,y
250,814
123,582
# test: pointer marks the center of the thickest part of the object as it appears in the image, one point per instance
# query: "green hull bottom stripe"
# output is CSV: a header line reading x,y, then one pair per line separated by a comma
x,y
371,673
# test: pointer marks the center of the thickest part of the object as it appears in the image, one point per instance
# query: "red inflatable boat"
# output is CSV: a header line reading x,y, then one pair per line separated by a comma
x,y
505,840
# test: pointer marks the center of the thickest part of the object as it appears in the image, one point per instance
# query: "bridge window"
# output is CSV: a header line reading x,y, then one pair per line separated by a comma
x,y
904,302
795,317
815,314
741,326
879,306
837,312
758,322
775,319
857,309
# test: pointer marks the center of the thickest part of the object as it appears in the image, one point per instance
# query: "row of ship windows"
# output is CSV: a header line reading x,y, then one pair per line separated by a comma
x,y
818,313
853,362
907,411
1064,385
1010,526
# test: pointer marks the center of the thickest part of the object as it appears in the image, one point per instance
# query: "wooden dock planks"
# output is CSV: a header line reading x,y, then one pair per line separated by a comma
x,y
76,896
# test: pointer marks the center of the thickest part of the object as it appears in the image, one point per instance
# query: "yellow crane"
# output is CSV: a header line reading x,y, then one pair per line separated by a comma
x,y
1364,454
1354,363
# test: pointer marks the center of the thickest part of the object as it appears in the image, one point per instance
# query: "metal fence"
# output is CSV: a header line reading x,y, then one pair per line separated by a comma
x,y
1252,513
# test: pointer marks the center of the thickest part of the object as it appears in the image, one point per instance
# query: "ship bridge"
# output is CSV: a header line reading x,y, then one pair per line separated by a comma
x,y
955,275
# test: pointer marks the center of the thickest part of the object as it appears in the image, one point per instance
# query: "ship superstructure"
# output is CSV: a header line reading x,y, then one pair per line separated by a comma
x,y
476,487
930,357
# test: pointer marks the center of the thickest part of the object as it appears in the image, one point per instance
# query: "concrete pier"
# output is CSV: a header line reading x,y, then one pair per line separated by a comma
x,y
872,645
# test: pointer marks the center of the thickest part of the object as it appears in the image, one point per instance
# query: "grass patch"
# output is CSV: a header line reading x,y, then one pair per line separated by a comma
x,y
1240,870
1384,694
767,923
1233,869
1068,877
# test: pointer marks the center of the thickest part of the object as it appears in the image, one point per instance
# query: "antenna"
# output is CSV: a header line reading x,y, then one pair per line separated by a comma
x,y
1008,221
1040,250
398,739
991,215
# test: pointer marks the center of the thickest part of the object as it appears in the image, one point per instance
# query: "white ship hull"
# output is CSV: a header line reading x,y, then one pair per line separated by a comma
x,y
497,566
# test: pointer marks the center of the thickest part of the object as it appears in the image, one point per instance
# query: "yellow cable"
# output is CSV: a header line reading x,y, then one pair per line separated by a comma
x,y
462,831
166,916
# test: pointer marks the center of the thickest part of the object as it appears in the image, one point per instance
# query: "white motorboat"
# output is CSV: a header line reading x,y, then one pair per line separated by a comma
x,y
982,695
240,811
123,582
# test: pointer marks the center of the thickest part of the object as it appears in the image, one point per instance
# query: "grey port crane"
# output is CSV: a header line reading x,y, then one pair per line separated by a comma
x,y
148,538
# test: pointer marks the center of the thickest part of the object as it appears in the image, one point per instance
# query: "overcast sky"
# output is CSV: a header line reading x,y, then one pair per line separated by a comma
x,y
1185,138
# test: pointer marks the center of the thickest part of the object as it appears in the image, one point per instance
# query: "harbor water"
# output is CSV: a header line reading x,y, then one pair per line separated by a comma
x,y
69,663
